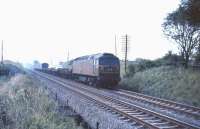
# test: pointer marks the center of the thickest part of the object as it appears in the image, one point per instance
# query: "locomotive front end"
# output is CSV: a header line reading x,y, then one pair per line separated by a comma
x,y
109,70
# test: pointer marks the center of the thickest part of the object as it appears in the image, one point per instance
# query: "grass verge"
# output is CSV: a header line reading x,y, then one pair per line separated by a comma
x,y
25,105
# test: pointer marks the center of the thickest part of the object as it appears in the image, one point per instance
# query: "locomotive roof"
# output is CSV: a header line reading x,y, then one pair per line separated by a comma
x,y
94,56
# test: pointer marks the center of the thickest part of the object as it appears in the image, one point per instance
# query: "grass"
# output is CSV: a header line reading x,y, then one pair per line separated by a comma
x,y
168,82
25,105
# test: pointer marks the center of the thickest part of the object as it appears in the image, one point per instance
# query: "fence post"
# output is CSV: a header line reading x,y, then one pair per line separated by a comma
x,y
3,117
97,125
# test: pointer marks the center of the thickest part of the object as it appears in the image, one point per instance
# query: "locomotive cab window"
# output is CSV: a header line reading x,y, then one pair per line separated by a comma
x,y
108,61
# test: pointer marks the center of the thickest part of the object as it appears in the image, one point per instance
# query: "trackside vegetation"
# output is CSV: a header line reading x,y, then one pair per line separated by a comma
x,y
169,82
26,105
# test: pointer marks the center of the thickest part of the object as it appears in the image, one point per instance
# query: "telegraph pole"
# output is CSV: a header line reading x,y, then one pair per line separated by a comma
x,y
125,49
115,45
126,52
68,56
2,52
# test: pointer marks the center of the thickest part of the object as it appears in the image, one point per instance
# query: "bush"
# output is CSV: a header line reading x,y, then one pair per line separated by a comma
x,y
166,82
170,59
143,64
138,66
9,68
131,70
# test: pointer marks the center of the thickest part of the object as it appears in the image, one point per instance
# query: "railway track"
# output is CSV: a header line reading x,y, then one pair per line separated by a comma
x,y
165,104
138,116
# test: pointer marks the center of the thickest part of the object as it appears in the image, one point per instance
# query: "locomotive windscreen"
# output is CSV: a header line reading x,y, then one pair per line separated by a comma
x,y
108,61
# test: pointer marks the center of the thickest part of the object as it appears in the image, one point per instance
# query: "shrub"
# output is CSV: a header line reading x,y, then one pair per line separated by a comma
x,y
139,65
170,59
166,82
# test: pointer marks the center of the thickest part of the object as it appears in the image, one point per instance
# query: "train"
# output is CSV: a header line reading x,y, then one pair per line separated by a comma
x,y
101,70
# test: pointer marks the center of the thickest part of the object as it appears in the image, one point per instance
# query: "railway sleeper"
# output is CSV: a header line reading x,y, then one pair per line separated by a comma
x,y
170,105
130,112
170,127
190,110
119,104
124,107
127,120
136,113
153,100
161,123
144,118
162,103
147,118
142,115
153,120
117,107
178,107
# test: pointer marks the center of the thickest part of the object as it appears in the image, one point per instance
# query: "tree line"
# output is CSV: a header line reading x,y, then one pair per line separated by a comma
x,y
183,27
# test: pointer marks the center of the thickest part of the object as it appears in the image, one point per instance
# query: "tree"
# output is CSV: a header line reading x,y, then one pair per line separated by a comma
x,y
192,11
197,56
178,28
131,70
171,59
192,16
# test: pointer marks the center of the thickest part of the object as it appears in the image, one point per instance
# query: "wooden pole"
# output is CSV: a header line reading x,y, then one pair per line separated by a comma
x,y
115,45
2,52
126,51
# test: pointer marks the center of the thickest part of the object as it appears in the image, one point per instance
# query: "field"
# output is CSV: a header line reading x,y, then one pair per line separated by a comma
x,y
178,84
25,105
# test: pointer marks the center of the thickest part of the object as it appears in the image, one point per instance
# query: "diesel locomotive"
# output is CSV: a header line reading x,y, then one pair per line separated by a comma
x,y
98,70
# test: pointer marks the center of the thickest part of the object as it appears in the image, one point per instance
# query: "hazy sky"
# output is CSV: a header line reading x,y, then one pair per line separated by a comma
x,y
45,30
